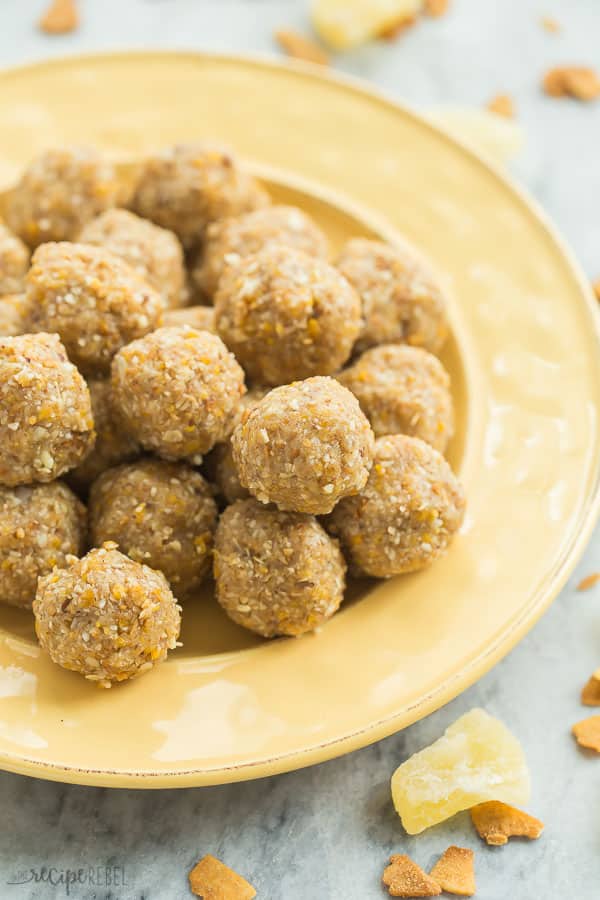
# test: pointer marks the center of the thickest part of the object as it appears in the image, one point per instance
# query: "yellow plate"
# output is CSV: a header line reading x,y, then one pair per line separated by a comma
x,y
525,363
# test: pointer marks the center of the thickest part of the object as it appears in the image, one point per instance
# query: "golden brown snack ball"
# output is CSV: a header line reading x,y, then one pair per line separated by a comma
x,y
286,316
202,318
304,446
107,617
407,513
46,423
14,315
59,192
186,187
402,301
159,513
177,390
40,525
230,240
113,445
92,299
403,390
220,466
276,573
155,253
14,261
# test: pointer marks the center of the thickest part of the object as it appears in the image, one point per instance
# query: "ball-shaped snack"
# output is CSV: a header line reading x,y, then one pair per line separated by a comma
x,y
403,390
286,316
230,240
40,525
276,573
46,423
304,446
107,617
402,301
159,513
407,513
92,299
14,314
155,253
219,465
177,390
59,192
186,187
202,318
113,445
14,261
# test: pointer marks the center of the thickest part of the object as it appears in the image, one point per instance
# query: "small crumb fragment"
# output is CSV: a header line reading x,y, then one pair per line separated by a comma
x,y
589,581
596,288
300,47
580,82
496,822
454,871
61,17
393,32
436,8
404,878
587,733
551,25
590,693
502,105
213,880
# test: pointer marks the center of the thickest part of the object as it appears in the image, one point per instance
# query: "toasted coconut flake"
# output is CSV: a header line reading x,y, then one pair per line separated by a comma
x,y
580,82
590,693
213,880
589,581
404,878
454,871
496,822
61,17
300,47
502,105
587,733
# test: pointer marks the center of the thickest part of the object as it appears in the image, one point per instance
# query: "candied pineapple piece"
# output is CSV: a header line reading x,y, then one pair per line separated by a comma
x,y
477,759
344,24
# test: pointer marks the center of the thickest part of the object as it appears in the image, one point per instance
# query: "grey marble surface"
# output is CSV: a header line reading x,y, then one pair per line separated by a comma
x,y
324,833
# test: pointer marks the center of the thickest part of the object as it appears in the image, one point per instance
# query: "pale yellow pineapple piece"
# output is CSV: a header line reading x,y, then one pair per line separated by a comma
x,y
477,759
348,23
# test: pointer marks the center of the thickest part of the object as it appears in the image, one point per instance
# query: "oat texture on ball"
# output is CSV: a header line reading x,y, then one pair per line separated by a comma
x,y
14,314
202,318
14,261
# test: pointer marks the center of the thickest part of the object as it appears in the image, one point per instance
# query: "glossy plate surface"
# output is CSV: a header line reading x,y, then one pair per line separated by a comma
x,y
525,364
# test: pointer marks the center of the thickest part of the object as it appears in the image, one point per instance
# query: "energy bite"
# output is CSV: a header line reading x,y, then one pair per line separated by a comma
x,y
40,525
14,314
202,318
304,446
403,390
407,513
155,253
14,261
105,616
92,299
276,572
159,513
60,191
186,187
178,391
230,240
46,424
402,301
286,316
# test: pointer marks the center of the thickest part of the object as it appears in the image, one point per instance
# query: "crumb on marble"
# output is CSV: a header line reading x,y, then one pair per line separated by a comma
x,y
436,8
300,47
590,693
61,17
496,822
455,872
213,880
589,581
580,82
551,25
404,878
502,105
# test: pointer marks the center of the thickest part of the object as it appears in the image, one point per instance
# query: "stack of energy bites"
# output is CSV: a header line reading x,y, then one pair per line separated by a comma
x,y
181,356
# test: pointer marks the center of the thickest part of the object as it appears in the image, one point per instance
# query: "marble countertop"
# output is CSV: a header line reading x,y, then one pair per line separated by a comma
x,y
325,833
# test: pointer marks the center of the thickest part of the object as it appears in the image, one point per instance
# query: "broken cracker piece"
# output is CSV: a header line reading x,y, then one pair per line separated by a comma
x,y
587,733
61,17
589,581
300,47
580,82
213,880
404,878
502,105
596,288
436,8
454,872
551,25
496,822
590,693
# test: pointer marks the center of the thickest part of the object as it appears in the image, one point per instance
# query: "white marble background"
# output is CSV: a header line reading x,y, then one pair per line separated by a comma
x,y
325,833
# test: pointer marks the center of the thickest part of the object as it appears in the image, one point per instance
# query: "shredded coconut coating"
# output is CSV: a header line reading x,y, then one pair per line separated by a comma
x,y
92,299
40,525
403,390
159,513
230,240
277,573
59,192
202,318
186,187
402,301
407,513
113,445
106,616
304,446
14,261
178,391
155,253
14,315
46,423
286,316
220,466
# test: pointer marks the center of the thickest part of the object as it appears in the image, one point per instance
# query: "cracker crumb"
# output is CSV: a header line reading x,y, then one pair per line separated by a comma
x,y
404,878
590,693
589,581
587,733
61,17
454,871
580,82
436,8
300,47
393,32
213,880
596,288
496,822
550,24
502,105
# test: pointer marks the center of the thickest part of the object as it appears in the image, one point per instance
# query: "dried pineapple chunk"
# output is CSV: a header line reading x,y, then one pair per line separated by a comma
x,y
348,23
476,759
